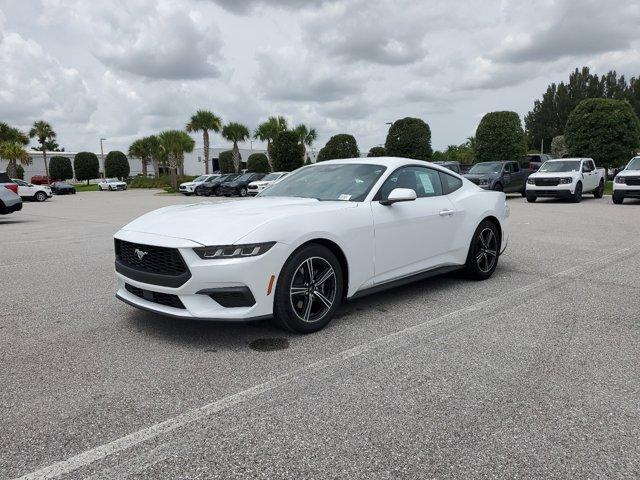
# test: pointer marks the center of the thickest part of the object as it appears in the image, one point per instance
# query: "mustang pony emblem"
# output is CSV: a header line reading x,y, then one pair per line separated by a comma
x,y
139,253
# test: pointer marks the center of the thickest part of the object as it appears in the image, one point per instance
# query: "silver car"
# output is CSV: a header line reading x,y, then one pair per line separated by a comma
x,y
9,201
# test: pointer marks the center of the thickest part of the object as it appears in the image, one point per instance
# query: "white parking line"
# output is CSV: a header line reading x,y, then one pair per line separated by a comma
x,y
102,451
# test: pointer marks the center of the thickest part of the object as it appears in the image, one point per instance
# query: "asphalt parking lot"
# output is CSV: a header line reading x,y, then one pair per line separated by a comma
x,y
532,374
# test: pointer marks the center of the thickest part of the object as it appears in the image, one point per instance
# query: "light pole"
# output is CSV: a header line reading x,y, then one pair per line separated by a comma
x,y
102,155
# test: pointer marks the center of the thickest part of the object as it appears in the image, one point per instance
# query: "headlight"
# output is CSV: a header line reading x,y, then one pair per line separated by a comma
x,y
531,181
233,251
566,180
483,181
620,179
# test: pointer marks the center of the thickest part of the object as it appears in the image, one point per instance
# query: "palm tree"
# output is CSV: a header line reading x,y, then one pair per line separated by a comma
x,y
235,132
173,145
137,150
307,136
203,121
14,152
268,131
11,134
43,132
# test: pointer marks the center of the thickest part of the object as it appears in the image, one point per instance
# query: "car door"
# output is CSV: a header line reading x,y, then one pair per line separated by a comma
x,y
412,236
517,177
507,178
589,175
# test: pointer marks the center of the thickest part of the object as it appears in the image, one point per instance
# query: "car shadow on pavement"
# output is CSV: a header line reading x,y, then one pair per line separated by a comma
x,y
4,221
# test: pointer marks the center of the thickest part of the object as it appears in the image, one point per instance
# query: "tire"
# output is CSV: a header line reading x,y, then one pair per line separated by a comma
x,y
617,198
498,187
484,252
186,194
523,192
577,195
207,194
243,192
40,197
599,192
312,304
531,198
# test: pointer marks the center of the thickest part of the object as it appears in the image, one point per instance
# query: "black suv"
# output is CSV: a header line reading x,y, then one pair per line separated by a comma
x,y
210,187
238,186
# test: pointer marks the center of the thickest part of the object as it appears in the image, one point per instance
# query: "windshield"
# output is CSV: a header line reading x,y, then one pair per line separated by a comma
x,y
111,180
201,178
271,177
345,181
563,166
245,177
486,167
634,164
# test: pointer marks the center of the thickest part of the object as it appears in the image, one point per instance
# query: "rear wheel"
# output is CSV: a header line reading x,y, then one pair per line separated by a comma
x,y
40,197
523,192
577,195
617,198
484,251
309,290
243,192
498,187
599,192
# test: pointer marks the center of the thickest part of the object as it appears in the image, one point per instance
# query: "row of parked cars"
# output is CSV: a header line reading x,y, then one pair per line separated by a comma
x,y
14,190
241,184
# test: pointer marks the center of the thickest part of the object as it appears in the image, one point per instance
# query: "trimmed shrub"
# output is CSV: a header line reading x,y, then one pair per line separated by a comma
x,y
409,138
377,152
499,137
339,146
606,130
163,181
60,168
258,162
20,172
287,152
225,161
86,166
116,165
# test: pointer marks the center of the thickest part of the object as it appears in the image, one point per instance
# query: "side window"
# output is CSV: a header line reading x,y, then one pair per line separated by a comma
x,y
449,183
592,165
424,181
508,168
515,167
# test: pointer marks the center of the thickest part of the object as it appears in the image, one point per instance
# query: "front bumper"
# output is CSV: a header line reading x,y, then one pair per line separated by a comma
x,y
628,191
565,190
187,190
226,280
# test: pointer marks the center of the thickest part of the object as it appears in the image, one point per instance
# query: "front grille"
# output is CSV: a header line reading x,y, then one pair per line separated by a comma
x,y
162,260
547,182
155,297
633,181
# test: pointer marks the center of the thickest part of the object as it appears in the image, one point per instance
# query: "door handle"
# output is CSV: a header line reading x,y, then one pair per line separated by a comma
x,y
445,213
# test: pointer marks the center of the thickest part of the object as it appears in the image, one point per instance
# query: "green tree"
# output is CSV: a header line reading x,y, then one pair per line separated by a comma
x,y
499,137
137,150
15,154
306,136
60,168
268,131
173,145
116,165
258,162
50,146
558,146
11,134
287,152
409,138
603,129
43,132
86,166
235,132
225,161
339,146
203,121
20,172
377,152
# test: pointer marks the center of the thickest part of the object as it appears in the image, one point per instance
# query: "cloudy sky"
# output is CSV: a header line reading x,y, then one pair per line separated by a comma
x,y
126,68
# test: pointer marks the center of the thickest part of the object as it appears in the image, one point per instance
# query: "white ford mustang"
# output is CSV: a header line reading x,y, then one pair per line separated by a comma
x,y
325,233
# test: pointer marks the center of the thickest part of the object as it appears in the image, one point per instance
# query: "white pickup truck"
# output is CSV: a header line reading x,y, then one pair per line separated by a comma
x,y
627,182
566,178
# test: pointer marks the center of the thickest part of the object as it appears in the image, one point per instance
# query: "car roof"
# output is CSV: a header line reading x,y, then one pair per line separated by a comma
x,y
569,158
392,162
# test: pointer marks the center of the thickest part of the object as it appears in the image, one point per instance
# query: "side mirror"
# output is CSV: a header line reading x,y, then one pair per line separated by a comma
x,y
400,195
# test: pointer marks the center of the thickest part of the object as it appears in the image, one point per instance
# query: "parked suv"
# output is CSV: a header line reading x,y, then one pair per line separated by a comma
x,y
626,184
9,201
534,161
211,186
39,193
566,178
451,165
239,185
258,186
6,182
507,177
188,188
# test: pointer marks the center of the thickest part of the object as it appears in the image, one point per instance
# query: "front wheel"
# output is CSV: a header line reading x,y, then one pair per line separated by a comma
x,y
498,187
599,192
484,251
40,197
243,192
577,195
617,198
531,198
309,290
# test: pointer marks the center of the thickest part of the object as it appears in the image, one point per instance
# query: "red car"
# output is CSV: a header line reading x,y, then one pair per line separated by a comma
x,y
5,181
40,180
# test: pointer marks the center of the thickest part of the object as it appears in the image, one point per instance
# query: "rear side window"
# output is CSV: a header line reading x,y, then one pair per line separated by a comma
x,y
515,167
449,183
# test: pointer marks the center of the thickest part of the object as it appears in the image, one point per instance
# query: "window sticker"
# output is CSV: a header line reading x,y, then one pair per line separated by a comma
x,y
344,196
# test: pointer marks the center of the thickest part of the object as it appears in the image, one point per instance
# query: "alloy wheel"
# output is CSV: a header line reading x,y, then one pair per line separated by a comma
x,y
486,250
313,289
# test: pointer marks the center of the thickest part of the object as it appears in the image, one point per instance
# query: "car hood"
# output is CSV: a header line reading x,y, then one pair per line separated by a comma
x,y
478,176
226,223
628,173
552,174
190,184
260,183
